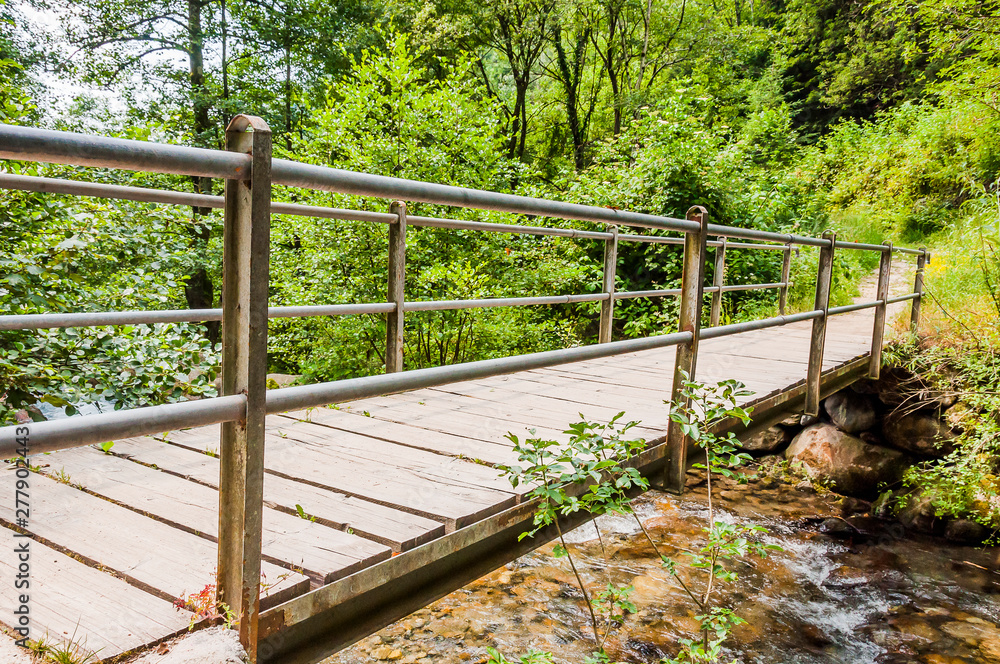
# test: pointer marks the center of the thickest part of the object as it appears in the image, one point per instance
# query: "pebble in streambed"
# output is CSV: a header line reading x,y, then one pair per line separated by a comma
x,y
847,588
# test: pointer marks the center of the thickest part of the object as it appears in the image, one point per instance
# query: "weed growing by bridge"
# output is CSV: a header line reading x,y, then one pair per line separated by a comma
x,y
594,473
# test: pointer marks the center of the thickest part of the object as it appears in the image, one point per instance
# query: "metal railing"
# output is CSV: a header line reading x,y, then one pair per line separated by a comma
x,y
249,172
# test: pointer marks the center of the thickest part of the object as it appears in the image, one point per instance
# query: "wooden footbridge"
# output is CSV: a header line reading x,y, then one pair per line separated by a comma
x,y
319,524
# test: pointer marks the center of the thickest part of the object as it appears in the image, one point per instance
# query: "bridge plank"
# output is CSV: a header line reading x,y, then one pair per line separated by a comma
x,y
492,451
499,416
398,530
322,553
73,602
454,491
152,556
456,423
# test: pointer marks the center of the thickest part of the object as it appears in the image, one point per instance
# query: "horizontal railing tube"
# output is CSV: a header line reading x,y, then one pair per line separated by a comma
x,y
625,295
751,234
845,244
746,287
43,145
63,147
70,432
902,298
101,190
904,250
321,178
96,319
847,308
736,328
309,396
459,224
445,305
653,239
752,245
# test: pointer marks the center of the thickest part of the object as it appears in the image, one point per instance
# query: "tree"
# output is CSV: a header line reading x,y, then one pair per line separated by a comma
x,y
570,37
113,38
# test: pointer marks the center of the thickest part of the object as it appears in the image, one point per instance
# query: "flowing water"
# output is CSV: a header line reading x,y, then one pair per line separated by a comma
x,y
863,593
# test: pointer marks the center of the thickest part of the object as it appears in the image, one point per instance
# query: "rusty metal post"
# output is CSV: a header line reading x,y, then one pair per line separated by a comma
x,y
692,294
882,294
918,288
397,281
244,371
786,274
610,269
719,282
824,277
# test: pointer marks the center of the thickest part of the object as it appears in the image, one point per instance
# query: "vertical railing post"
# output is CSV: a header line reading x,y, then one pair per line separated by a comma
x,y
824,278
692,294
882,294
397,281
244,371
786,274
918,288
610,269
719,282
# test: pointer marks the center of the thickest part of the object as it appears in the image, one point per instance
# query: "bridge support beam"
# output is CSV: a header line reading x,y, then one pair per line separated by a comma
x,y
246,256
397,281
719,282
610,269
882,295
817,344
692,296
918,288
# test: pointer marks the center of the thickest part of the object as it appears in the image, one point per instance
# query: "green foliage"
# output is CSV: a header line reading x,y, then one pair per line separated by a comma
x,y
966,482
591,472
432,129
699,409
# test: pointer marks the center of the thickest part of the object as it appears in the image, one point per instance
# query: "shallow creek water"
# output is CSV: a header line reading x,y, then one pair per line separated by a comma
x,y
872,595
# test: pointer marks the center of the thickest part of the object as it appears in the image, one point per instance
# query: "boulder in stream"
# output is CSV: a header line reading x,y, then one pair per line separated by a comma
x,y
848,464
850,411
921,432
769,440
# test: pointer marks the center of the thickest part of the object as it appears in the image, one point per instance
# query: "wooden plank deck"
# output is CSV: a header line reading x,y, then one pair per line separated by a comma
x,y
135,529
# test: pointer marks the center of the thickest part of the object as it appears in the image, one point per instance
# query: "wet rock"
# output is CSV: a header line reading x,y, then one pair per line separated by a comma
x,y
922,433
965,531
916,629
793,421
850,465
808,420
835,527
769,440
969,633
805,486
386,653
815,636
850,411
918,514
850,506
989,648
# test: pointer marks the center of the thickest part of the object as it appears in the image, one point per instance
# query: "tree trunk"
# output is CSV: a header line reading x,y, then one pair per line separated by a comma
x,y
570,78
199,291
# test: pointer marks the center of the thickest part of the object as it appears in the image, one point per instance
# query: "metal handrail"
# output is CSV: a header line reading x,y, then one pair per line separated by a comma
x,y
247,165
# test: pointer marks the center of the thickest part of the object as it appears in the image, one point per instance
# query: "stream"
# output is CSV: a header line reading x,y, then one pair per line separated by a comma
x,y
863,592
